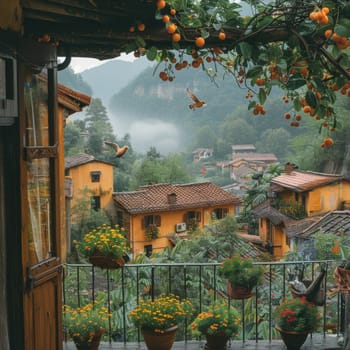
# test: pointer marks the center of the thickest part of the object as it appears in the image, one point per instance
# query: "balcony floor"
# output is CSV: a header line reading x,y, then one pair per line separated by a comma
x,y
316,342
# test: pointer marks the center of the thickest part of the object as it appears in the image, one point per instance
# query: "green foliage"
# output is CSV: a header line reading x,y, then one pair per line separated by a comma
x,y
82,323
218,318
151,232
162,313
241,272
105,240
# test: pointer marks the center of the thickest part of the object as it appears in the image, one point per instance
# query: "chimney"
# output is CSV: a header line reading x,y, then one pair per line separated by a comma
x,y
289,167
172,198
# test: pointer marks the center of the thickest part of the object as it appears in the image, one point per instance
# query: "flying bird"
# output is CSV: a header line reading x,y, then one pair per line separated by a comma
x,y
119,151
197,102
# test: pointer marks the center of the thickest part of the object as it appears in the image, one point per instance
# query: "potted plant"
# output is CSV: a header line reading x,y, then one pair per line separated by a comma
x,y
217,323
159,319
85,325
105,247
295,318
242,276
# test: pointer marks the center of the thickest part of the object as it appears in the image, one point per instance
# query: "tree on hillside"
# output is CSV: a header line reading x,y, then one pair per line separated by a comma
x,y
274,141
155,168
237,131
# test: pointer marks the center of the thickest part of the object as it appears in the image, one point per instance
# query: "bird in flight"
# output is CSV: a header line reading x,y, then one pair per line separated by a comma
x,y
196,101
119,151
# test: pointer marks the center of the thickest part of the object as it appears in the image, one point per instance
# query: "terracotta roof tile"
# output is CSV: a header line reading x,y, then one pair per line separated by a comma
x,y
81,159
300,181
154,198
253,156
336,222
243,148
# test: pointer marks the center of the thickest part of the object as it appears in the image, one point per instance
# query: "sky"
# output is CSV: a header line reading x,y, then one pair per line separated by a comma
x,y
79,64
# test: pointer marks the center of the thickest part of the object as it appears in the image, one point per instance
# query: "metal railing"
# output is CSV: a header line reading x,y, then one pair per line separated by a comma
x,y
201,283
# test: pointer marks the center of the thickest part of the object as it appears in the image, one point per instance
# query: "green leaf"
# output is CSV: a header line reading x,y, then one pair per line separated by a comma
x,y
342,30
311,99
254,72
140,42
295,83
297,104
152,53
246,49
251,105
264,22
262,96
205,34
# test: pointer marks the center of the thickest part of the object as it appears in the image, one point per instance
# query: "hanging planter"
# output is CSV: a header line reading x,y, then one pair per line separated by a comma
x,y
106,262
105,247
342,279
242,276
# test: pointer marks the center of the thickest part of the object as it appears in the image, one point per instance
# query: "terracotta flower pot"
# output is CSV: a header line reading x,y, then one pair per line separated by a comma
x,y
293,340
159,341
239,292
106,262
89,345
216,342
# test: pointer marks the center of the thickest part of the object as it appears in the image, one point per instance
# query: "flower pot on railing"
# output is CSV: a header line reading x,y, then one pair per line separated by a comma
x,y
292,339
90,342
239,293
216,342
159,340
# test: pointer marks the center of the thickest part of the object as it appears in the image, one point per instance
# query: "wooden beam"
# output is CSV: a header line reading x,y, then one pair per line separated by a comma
x,y
10,15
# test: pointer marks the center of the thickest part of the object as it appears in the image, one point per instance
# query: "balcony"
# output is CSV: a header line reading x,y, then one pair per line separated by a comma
x,y
200,283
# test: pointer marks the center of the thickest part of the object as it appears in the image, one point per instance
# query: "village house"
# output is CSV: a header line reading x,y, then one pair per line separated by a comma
x,y
202,153
245,162
153,212
90,177
297,200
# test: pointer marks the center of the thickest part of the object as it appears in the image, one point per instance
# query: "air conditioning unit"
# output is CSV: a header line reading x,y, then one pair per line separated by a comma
x,y
181,227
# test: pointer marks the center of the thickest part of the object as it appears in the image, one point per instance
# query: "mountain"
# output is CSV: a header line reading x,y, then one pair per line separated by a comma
x,y
110,77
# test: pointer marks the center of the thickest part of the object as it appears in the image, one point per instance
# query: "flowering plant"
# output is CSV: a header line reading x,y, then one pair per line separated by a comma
x,y
219,318
162,313
151,232
297,314
82,323
241,272
105,240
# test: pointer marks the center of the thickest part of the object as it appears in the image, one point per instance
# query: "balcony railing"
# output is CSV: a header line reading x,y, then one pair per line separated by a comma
x,y
201,283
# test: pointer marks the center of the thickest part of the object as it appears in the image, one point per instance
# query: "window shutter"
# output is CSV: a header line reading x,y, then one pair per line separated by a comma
x,y
198,216
224,212
143,223
185,217
157,220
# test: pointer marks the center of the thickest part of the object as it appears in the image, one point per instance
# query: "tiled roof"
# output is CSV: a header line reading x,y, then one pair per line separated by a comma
x,y
264,210
243,171
300,181
336,222
243,147
154,198
80,159
291,226
253,156
294,227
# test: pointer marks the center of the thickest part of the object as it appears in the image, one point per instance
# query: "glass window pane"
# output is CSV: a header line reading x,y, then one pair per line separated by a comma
x,y
38,170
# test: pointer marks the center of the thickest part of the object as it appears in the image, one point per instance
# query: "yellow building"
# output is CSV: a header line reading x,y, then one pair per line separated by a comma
x,y
90,176
154,213
297,200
